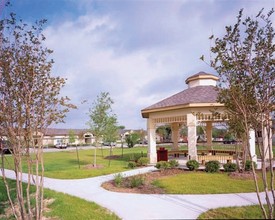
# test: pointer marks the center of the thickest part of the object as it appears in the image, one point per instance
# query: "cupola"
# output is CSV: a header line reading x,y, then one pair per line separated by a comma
x,y
201,79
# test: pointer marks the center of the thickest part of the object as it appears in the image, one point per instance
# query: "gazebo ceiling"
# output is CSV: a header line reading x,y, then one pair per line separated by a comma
x,y
197,95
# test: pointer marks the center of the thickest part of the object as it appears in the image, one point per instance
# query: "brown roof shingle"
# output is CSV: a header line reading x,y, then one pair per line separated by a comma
x,y
61,132
198,94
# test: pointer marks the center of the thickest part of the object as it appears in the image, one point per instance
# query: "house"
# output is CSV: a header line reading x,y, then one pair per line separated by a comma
x,y
125,132
54,136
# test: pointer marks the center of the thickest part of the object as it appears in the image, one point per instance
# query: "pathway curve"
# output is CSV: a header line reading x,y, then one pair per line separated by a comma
x,y
130,206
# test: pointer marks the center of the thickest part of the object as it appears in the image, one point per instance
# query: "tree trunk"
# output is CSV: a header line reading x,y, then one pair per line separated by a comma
x,y
7,187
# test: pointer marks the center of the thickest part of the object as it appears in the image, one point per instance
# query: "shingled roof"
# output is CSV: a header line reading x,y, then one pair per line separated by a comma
x,y
199,94
63,132
202,94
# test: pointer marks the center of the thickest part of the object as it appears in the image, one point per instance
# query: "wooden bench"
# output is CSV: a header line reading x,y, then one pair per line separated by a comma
x,y
177,153
214,152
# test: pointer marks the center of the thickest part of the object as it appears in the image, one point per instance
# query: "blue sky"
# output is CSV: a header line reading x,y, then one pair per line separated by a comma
x,y
139,51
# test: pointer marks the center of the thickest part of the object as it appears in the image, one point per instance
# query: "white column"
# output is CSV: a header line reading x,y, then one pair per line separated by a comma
x,y
192,136
152,147
209,134
175,135
252,145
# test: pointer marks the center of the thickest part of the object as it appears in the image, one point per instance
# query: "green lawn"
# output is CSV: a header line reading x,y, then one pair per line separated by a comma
x,y
213,183
199,182
64,164
67,207
243,212
64,207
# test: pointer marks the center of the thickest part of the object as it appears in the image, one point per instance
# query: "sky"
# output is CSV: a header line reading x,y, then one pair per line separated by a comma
x,y
140,51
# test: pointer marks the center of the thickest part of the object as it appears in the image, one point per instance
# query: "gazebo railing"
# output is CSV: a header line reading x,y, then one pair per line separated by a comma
x,y
221,158
221,146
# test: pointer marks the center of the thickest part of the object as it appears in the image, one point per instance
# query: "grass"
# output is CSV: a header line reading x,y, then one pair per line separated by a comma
x,y
243,212
64,207
67,207
212,183
64,164
204,183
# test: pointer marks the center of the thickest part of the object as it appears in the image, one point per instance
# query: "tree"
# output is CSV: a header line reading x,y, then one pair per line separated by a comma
x,y
164,131
132,139
111,134
71,136
111,131
29,102
219,132
103,123
244,61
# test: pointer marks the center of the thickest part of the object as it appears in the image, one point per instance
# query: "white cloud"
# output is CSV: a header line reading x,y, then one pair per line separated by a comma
x,y
139,51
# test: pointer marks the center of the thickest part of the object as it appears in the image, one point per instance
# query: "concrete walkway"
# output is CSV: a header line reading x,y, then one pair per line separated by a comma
x,y
131,206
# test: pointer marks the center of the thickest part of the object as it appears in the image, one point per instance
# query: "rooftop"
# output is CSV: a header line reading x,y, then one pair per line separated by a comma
x,y
202,91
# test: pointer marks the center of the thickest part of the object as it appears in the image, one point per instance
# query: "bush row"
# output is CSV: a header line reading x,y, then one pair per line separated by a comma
x,y
162,165
142,161
131,182
210,167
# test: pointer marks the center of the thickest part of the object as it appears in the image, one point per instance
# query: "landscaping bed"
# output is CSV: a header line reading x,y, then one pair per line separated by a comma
x,y
179,181
148,179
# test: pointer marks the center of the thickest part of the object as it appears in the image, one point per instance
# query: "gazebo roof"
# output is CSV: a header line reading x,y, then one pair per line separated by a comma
x,y
201,95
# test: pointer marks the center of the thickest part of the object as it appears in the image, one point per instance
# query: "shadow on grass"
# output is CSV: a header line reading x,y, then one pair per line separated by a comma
x,y
126,156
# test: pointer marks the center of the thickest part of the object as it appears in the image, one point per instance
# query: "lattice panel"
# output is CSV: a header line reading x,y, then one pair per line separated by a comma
x,y
171,119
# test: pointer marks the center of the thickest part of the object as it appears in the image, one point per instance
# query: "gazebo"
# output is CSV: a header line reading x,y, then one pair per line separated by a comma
x,y
194,105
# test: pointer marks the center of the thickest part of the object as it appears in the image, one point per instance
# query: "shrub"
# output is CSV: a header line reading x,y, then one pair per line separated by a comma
x,y
162,165
248,165
132,164
134,157
173,163
212,166
230,167
132,139
192,164
118,179
136,181
143,161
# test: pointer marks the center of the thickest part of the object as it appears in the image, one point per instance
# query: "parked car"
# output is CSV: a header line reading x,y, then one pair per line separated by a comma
x,y
229,141
61,145
143,142
109,144
5,147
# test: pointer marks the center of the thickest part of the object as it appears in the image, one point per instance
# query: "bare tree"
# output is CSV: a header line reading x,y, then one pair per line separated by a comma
x,y
244,60
29,103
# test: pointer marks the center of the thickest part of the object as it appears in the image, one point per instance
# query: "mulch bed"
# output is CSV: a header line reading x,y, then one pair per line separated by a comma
x,y
147,187
91,166
243,175
113,157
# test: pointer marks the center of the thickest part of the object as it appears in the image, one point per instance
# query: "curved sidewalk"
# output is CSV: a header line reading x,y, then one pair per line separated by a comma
x,y
131,206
